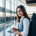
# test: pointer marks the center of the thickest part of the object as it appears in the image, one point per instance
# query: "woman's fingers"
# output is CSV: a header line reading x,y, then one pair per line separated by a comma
x,y
14,28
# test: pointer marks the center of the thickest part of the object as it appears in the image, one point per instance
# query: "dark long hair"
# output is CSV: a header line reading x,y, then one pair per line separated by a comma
x,y
24,11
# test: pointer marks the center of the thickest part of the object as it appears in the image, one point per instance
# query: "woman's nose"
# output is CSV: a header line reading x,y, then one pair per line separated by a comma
x,y
19,12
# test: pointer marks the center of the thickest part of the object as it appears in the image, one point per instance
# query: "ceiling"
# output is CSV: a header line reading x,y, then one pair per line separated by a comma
x,y
29,2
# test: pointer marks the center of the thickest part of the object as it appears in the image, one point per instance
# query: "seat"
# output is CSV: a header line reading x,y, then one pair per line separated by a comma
x,y
32,29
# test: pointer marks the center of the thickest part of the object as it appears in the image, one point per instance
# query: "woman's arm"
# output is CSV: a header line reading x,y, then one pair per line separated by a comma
x,y
25,28
26,24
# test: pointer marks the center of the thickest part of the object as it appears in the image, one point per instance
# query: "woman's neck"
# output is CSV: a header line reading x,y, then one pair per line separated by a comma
x,y
21,16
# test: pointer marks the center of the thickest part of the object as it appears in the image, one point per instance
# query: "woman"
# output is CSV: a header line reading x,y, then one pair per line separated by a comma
x,y
24,21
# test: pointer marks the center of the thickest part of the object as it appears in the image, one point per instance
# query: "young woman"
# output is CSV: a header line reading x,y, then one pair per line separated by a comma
x,y
24,21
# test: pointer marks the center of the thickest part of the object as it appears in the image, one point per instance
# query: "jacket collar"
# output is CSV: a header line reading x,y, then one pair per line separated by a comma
x,y
21,17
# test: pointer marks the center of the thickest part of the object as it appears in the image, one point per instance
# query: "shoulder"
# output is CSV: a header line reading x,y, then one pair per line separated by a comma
x,y
26,20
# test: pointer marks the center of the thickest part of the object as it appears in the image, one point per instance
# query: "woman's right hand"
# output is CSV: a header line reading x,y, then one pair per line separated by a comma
x,y
14,28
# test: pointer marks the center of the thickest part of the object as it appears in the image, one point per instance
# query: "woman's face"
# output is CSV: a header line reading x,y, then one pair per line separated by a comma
x,y
19,12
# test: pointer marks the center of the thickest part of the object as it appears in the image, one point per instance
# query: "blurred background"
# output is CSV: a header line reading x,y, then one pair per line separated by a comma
x,y
8,14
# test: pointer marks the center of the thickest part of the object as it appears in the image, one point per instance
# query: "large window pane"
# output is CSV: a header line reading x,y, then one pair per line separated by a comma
x,y
7,4
12,7
2,23
13,1
8,23
1,3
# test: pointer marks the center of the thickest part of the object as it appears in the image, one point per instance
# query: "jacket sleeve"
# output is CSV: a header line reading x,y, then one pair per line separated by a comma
x,y
26,24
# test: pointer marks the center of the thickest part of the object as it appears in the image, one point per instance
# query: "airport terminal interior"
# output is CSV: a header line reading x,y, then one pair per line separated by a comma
x,y
8,18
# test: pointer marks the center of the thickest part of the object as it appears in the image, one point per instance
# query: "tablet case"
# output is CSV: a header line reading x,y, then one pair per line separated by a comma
x,y
10,31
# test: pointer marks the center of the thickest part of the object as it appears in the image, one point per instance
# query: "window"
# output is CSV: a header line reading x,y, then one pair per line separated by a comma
x,y
7,5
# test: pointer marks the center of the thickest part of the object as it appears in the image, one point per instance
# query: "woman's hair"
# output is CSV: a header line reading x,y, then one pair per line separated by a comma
x,y
24,13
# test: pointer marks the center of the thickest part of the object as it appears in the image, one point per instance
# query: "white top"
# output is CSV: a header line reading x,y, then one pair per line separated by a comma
x,y
26,24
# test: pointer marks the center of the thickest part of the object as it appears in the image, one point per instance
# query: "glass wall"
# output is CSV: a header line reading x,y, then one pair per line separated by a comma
x,y
7,16
2,18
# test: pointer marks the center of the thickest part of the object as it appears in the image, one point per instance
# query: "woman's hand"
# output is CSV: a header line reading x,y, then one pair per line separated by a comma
x,y
13,30
16,32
